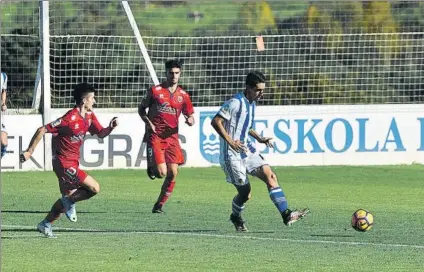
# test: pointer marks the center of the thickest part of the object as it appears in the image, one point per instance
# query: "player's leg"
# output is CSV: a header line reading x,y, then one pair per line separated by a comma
x,y
158,153
79,186
167,187
235,172
45,226
257,167
66,192
238,205
66,184
173,157
4,142
155,169
89,188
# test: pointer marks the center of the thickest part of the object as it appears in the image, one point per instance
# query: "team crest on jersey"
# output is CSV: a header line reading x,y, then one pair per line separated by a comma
x,y
209,138
56,123
178,99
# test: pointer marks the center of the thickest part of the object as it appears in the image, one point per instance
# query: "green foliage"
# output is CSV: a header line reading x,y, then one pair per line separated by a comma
x,y
257,16
327,52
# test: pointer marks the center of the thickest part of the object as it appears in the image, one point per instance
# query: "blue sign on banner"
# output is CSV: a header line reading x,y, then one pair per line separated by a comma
x,y
209,138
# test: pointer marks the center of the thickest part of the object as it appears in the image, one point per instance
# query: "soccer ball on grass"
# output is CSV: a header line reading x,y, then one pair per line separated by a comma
x,y
362,220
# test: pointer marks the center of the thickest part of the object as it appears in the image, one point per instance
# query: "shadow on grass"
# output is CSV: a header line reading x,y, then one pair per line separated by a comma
x,y
69,230
43,212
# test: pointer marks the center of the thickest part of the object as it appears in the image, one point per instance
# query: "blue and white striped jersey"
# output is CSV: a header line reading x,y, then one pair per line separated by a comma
x,y
239,115
3,82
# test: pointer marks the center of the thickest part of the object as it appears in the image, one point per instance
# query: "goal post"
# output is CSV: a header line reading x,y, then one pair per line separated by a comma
x,y
140,42
45,79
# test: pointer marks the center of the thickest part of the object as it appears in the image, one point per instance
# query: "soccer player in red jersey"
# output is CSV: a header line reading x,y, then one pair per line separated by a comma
x,y
70,129
165,102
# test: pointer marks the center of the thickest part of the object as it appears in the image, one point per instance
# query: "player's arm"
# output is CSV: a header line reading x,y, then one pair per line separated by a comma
x,y
101,132
188,110
218,124
260,139
225,113
38,135
144,105
52,127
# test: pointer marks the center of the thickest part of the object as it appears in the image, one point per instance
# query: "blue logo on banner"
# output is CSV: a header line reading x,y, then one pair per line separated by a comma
x,y
209,138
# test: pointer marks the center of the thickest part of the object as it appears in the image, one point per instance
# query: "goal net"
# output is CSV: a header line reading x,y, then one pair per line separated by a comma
x,y
313,52
20,50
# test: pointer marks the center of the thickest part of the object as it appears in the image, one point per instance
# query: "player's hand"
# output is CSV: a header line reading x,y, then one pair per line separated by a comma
x,y
238,146
267,141
23,157
3,107
113,123
151,127
190,120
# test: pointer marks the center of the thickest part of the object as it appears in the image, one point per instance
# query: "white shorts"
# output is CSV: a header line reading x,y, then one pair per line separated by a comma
x,y
236,170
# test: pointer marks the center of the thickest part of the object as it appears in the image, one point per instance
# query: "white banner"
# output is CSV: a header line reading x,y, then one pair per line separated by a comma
x,y
332,135
20,129
303,135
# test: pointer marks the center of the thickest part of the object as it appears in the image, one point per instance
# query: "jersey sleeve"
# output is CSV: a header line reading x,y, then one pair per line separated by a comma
x,y
147,99
55,126
95,126
3,81
229,109
188,106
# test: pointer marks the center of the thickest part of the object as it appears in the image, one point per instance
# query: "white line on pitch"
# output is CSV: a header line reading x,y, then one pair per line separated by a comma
x,y
305,241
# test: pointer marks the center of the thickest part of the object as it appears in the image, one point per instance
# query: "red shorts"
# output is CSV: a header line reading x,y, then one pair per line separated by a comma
x,y
164,150
69,177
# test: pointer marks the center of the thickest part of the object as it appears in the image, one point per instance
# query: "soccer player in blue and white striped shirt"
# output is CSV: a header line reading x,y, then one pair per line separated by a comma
x,y
3,135
238,156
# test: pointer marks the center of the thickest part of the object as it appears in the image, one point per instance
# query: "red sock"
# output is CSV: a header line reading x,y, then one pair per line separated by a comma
x,y
55,211
165,193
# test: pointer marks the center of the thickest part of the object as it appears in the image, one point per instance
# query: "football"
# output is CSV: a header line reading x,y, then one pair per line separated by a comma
x,y
362,220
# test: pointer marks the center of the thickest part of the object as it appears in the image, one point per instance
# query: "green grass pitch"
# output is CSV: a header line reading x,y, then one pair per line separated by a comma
x,y
116,230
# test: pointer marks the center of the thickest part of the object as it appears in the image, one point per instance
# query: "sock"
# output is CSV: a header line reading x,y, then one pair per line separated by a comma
x,y
277,196
3,150
166,191
81,194
55,212
237,206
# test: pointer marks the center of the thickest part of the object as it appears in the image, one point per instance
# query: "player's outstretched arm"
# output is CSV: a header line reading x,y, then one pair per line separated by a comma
x,y
106,131
33,144
217,124
260,139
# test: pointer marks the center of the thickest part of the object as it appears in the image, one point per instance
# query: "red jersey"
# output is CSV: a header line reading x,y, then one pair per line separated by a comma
x,y
70,130
165,108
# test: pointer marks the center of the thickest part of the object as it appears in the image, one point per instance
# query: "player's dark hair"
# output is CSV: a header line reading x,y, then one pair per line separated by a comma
x,y
254,78
169,64
81,90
